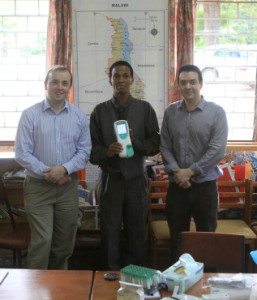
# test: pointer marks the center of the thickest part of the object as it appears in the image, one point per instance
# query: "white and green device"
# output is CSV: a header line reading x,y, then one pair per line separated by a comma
x,y
122,133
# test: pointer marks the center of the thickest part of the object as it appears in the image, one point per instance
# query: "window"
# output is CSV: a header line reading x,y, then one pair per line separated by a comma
x,y
23,35
226,52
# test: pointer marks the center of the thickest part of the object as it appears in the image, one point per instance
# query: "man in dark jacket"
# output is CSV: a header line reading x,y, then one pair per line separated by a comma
x,y
123,183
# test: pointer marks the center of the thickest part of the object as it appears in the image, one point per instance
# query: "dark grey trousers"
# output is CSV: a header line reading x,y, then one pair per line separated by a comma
x,y
200,201
123,202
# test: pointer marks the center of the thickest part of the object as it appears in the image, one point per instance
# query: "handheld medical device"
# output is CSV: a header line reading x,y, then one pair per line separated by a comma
x,y
122,133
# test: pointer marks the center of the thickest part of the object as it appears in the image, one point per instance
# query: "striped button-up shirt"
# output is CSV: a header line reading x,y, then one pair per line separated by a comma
x,y
46,138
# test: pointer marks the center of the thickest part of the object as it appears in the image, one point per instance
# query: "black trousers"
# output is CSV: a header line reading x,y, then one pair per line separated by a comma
x,y
200,201
123,202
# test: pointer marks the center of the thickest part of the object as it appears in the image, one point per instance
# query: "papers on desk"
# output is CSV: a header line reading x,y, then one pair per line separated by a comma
x,y
238,287
3,275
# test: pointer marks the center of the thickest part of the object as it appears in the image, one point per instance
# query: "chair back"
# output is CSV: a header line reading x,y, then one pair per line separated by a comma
x,y
157,190
218,251
235,190
14,202
157,198
253,204
158,230
15,236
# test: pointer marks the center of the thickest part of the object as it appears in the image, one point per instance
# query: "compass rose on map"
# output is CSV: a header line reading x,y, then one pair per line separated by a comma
x,y
154,31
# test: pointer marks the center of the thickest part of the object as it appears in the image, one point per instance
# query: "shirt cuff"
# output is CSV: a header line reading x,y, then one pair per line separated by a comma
x,y
68,169
196,169
170,167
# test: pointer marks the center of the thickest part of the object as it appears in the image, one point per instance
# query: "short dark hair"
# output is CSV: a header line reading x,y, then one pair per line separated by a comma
x,y
58,68
191,68
120,63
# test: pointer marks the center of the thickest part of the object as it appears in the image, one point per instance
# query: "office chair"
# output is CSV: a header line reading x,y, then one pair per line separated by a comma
x,y
15,233
241,225
219,252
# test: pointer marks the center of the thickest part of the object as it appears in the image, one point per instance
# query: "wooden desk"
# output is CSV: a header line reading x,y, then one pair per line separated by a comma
x,y
26,284
107,290
104,289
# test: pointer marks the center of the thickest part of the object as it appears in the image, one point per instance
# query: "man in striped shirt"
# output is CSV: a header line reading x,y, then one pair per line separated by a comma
x,y
52,143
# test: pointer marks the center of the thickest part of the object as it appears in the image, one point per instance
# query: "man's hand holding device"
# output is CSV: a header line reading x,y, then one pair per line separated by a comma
x,y
114,148
123,138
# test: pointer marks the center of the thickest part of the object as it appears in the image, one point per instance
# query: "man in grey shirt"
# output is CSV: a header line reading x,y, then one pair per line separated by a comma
x,y
193,141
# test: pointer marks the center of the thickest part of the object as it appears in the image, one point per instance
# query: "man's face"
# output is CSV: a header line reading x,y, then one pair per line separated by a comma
x,y
58,86
121,80
190,86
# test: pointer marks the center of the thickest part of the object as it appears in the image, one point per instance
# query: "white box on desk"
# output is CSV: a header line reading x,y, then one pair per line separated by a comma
x,y
185,281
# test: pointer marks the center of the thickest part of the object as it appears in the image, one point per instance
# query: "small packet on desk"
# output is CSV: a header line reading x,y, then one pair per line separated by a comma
x,y
227,282
130,291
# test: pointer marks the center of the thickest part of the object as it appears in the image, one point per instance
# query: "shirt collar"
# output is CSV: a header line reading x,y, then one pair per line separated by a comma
x,y
116,104
200,105
47,106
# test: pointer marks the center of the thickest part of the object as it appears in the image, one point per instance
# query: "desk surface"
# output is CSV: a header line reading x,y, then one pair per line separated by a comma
x,y
104,289
26,284
107,290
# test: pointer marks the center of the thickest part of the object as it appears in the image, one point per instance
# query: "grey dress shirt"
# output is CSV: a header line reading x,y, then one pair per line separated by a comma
x,y
194,139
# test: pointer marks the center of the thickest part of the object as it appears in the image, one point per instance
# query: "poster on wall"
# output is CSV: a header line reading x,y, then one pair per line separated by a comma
x,y
106,31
